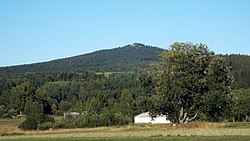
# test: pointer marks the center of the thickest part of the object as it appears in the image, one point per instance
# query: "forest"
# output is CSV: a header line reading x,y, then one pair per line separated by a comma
x,y
121,59
123,83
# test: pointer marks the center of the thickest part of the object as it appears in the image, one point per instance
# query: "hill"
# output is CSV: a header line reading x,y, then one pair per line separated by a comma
x,y
122,59
127,58
240,68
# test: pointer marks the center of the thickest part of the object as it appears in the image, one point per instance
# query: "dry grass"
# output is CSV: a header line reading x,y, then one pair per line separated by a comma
x,y
192,125
9,127
142,131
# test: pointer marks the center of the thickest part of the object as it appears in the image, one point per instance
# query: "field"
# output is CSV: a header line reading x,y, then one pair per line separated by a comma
x,y
197,131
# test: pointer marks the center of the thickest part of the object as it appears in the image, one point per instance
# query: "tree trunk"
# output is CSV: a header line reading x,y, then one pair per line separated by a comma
x,y
233,119
183,117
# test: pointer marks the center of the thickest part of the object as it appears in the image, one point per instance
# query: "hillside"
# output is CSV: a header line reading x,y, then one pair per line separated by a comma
x,y
240,69
127,58
122,59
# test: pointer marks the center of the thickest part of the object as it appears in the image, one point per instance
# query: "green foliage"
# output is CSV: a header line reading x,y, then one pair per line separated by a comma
x,y
240,69
2,110
64,105
35,116
106,118
118,59
49,118
113,98
188,80
53,108
19,95
241,110
45,126
59,113
29,124
126,104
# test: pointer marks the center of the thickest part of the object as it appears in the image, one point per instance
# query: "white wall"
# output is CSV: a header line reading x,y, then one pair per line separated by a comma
x,y
148,119
142,120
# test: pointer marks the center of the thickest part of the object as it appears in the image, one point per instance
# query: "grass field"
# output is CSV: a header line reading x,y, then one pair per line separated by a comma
x,y
198,131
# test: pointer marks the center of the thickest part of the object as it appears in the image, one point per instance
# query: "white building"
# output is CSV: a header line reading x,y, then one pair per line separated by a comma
x,y
73,114
146,118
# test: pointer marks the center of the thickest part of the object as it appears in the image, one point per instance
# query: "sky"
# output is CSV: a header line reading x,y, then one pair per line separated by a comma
x,y
41,30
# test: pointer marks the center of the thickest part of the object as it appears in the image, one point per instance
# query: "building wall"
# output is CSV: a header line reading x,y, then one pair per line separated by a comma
x,y
157,120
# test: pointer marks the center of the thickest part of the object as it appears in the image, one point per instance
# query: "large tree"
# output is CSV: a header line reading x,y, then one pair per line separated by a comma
x,y
189,80
241,110
19,95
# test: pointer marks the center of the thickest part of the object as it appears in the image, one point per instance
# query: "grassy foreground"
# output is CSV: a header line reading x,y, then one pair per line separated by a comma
x,y
197,131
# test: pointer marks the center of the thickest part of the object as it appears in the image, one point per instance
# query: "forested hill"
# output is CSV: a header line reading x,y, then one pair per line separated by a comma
x,y
122,59
127,58
240,68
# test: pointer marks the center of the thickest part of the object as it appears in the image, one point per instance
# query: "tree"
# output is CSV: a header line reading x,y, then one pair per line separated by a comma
x,y
35,116
126,103
19,95
182,81
53,108
64,106
218,99
241,108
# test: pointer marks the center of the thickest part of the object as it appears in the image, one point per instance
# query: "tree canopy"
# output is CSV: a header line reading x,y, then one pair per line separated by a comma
x,y
189,81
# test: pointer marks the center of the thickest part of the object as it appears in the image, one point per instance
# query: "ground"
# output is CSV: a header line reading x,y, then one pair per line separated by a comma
x,y
197,131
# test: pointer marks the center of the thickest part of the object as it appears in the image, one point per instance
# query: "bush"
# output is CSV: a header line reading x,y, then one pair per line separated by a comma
x,y
120,119
2,109
49,118
35,116
12,112
45,126
93,120
59,124
59,113
6,115
29,124
68,116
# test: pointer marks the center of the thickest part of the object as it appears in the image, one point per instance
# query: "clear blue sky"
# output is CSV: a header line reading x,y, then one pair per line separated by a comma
x,y
41,30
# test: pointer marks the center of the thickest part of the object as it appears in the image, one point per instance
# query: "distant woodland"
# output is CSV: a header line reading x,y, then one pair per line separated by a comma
x,y
105,85
121,59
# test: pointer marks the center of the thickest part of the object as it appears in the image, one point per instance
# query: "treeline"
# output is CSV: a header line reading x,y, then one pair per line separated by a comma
x,y
105,99
102,99
130,58
112,97
241,70
121,59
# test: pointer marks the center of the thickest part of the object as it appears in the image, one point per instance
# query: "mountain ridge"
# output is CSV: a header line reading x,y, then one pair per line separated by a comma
x,y
127,58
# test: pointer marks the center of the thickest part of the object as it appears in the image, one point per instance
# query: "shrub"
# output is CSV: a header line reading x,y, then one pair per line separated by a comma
x,y
93,120
59,113
120,119
59,124
12,112
68,116
35,117
49,118
2,109
6,115
29,124
45,126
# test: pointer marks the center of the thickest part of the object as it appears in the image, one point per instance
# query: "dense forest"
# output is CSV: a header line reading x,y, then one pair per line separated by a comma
x,y
113,94
240,65
104,86
127,58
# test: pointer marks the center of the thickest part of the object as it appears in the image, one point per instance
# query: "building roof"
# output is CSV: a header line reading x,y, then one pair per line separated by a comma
x,y
146,114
